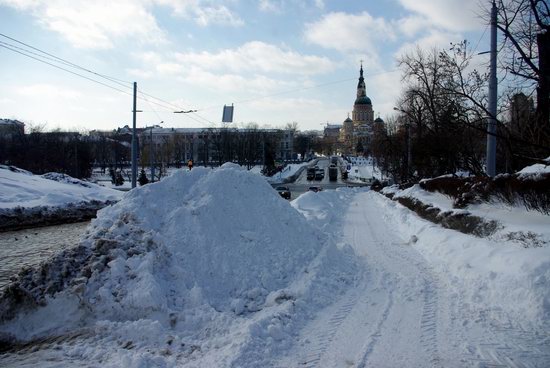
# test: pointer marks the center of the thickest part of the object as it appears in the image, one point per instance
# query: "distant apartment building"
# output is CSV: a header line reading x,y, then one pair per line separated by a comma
x,y
522,113
9,128
204,145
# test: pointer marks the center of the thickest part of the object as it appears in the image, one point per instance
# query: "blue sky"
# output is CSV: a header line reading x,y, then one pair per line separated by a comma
x,y
278,61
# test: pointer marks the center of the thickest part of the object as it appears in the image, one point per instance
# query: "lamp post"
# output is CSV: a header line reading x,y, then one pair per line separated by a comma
x,y
152,151
409,145
134,138
187,112
493,83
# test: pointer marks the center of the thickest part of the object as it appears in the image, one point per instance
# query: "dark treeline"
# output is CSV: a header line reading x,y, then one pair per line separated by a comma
x,y
442,112
41,152
75,154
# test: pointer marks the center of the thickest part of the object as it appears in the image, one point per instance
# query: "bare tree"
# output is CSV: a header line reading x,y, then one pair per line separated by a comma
x,y
525,56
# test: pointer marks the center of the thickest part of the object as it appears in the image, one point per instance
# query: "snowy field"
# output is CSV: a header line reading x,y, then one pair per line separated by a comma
x,y
28,200
211,268
20,188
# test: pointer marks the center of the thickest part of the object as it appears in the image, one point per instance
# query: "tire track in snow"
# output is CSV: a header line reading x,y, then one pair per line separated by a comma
x,y
507,344
357,331
324,336
488,338
399,254
373,339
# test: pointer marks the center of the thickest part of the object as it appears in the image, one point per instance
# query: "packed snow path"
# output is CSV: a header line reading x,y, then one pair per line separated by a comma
x,y
399,313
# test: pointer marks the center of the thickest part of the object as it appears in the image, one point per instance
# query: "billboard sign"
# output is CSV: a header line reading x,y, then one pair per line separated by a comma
x,y
227,116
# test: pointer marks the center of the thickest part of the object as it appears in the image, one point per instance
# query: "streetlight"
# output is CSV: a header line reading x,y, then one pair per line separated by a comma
x,y
409,154
134,141
152,152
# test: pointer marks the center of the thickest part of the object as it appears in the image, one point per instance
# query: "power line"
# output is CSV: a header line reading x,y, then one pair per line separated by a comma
x,y
40,56
67,70
165,104
167,108
297,90
174,105
68,63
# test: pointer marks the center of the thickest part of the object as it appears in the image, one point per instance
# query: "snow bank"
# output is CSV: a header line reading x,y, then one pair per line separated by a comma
x,y
20,188
28,200
535,171
490,275
514,223
205,268
287,173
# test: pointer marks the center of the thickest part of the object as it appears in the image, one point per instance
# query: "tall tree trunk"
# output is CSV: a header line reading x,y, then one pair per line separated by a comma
x,y
543,90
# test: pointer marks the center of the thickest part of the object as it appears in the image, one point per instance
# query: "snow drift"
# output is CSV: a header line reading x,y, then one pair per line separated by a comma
x,y
204,266
494,273
28,200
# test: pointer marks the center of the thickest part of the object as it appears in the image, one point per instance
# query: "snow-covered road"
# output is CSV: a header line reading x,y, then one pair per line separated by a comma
x,y
401,314
339,278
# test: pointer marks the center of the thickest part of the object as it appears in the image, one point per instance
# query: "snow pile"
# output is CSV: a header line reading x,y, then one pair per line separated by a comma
x,y
62,178
205,268
535,171
434,199
290,170
28,200
514,223
325,208
493,275
22,189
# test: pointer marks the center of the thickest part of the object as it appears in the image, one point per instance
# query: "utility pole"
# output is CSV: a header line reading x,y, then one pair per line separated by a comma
x,y
134,140
491,122
409,151
151,155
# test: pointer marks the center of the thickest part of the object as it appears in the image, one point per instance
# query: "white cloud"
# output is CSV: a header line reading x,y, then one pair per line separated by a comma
x,y
284,105
411,25
258,56
140,73
98,24
203,12
278,6
319,4
384,89
6,100
48,91
452,15
349,32
170,68
93,24
270,6
433,39
250,84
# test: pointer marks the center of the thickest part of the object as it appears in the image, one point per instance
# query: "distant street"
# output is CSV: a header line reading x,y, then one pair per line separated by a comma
x,y
301,184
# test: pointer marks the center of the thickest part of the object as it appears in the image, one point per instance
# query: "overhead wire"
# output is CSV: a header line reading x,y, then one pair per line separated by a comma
x,y
48,56
64,69
174,105
295,90
50,59
68,63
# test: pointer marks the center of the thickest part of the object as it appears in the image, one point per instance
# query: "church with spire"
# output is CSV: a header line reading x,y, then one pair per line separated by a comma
x,y
356,132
